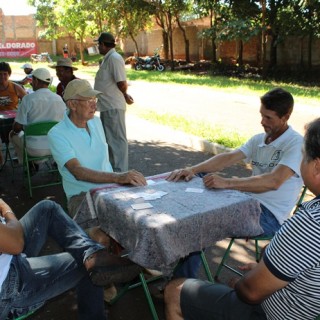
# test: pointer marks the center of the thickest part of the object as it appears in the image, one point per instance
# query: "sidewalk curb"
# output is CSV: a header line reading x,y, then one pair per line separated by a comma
x,y
204,145
173,136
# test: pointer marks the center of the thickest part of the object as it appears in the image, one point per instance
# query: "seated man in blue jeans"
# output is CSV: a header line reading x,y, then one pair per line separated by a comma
x,y
28,280
286,282
275,157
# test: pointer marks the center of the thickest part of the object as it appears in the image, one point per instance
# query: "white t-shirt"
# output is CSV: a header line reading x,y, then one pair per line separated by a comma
x,y
5,260
41,105
287,151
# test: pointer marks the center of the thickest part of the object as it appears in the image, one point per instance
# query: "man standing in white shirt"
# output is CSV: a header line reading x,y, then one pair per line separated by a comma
x,y
112,82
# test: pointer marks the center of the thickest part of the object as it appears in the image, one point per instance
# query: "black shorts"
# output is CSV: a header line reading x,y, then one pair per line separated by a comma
x,y
203,300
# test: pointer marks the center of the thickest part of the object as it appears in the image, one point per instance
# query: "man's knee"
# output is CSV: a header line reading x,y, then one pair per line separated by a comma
x,y
172,291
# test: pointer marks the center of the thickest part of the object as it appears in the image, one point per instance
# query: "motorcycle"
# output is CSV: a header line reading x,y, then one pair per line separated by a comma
x,y
42,57
150,63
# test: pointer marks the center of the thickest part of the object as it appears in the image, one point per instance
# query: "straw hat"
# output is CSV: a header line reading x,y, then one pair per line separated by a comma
x,y
64,62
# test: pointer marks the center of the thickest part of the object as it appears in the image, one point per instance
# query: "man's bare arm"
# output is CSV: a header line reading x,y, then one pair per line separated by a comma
x,y
85,174
256,184
20,91
11,233
123,86
258,284
213,164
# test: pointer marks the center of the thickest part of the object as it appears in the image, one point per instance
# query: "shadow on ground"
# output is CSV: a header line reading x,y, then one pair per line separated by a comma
x,y
150,158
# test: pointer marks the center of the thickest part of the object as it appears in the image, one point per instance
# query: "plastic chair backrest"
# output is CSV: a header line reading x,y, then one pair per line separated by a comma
x,y
39,128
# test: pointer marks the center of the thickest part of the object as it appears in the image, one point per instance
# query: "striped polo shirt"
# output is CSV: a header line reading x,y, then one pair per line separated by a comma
x,y
294,256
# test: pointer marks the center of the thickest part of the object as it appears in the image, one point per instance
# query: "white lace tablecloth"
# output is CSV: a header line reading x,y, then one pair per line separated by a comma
x,y
183,220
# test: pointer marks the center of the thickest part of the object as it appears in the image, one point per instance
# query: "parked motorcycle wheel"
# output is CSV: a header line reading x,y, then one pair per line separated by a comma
x,y
161,67
138,67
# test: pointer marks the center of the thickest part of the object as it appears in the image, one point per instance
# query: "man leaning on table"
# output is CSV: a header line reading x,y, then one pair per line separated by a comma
x,y
286,282
275,157
79,147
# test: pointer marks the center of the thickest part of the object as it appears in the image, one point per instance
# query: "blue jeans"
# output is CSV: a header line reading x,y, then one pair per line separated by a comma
x,y
189,266
268,222
33,279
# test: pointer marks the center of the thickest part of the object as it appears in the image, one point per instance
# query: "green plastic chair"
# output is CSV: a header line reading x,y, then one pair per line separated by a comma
x,y
38,129
256,243
25,316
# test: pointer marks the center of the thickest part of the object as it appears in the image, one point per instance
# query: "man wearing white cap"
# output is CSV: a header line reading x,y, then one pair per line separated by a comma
x,y
27,68
42,105
79,147
64,72
112,82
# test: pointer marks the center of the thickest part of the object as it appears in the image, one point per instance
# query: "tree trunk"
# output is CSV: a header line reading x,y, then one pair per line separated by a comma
x,y
263,61
186,41
214,49
240,53
273,51
213,37
135,44
81,51
301,52
165,44
310,51
170,31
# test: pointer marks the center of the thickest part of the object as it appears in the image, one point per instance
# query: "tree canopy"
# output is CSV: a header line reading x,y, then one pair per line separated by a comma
x,y
237,20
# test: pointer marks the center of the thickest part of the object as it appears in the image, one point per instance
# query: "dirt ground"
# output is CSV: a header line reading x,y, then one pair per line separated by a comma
x,y
152,149
149,157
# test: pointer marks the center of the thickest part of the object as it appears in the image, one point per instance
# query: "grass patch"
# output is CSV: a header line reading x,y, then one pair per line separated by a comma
x,y
200,129
302,94
306,95
228,84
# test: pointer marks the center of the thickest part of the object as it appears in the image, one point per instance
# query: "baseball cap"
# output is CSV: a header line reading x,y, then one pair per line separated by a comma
x,y
79,87
26,66
64,62
106,37
42,74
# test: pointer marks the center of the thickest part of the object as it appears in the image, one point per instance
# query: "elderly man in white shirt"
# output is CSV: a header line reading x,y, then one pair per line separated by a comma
x,y
42,105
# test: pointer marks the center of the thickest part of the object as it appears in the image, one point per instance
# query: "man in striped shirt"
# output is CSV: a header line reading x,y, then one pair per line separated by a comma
x,y
285,284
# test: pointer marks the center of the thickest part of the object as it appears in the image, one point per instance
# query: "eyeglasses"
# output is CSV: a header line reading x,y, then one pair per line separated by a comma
x,y
89,101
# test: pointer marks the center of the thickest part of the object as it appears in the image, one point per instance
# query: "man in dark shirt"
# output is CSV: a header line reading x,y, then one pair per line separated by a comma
x,y
64,72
